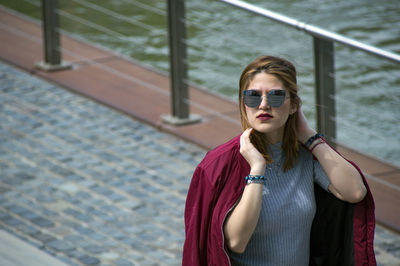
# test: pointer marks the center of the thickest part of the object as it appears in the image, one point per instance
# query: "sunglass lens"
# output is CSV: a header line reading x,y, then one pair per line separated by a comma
x,y
252,101
276,98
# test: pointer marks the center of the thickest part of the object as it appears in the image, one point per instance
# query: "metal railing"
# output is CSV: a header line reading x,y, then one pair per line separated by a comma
x,y
324,58
324,55
178,66
51,43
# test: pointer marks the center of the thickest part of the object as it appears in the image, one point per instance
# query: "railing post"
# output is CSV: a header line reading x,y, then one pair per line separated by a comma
x,y
51,38
325,88
178,66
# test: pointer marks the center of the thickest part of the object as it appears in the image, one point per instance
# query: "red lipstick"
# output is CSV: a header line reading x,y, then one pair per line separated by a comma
x,y
264,116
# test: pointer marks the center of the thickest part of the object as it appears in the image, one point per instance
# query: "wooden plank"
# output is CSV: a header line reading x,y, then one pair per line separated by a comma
x,y
32,33
368,163
387,207
11,42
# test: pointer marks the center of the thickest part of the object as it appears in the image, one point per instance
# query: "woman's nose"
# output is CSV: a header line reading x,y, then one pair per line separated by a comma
x,y
264,103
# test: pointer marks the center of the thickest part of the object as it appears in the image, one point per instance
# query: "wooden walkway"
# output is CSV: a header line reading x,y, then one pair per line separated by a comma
x,y
144,94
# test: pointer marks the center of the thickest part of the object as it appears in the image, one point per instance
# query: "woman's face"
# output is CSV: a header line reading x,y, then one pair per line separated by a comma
x,y
264,118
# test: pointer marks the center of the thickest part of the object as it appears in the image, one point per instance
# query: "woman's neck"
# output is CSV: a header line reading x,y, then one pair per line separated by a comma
x,y
274,137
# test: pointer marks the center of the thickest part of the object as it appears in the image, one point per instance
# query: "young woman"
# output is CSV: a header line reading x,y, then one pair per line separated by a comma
x,y
252,200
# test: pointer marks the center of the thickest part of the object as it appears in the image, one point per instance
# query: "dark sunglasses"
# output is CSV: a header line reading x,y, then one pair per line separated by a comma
x,y
275,98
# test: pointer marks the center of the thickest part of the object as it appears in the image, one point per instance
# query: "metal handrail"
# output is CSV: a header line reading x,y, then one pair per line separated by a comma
x,y
180,104
313,30
324,55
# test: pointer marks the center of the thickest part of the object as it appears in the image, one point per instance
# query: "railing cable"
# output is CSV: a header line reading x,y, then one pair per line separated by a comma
x,y
193,43
146,7
226,39
314,31
33,2
114,14
361,131
90,24
37,40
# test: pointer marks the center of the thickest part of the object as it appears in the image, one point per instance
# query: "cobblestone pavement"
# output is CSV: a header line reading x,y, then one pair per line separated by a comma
x,y
92,186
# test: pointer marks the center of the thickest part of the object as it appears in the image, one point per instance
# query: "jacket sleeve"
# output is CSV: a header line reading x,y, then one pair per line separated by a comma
x,y
342,233
364,228
198,209
209,198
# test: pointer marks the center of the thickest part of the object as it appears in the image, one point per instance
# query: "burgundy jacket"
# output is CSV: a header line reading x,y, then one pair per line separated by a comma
x,y
342,233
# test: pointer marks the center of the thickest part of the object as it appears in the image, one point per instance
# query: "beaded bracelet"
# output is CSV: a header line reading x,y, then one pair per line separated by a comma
x,y
312,139
258,179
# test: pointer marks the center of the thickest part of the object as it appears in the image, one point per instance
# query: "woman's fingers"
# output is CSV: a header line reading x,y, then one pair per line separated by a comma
x,y
251,154
247,148
304,131
302,118
245,139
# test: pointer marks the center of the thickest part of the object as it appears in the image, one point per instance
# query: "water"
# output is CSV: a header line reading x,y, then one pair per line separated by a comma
x,y
222,40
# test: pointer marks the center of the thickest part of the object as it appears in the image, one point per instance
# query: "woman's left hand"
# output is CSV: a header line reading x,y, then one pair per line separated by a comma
x,y
346,182
304,131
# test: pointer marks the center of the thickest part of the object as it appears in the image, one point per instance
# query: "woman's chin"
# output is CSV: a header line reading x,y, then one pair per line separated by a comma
x,y
269,131
263,128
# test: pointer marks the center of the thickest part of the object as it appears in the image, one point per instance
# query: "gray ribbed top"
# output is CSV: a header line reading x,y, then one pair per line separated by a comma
x,y
282,234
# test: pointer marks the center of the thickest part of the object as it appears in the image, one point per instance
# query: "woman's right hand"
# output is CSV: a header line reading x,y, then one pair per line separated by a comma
x,y
251,154
242,221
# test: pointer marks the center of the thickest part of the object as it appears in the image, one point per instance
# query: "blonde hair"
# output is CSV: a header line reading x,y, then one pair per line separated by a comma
x,y
286,73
